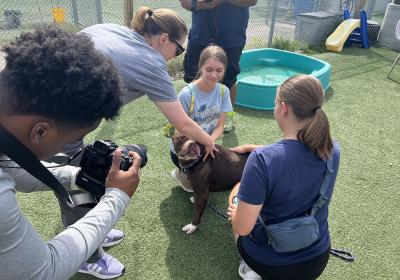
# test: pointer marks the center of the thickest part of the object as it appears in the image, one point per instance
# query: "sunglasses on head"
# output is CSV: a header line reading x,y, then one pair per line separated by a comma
x,y
179,48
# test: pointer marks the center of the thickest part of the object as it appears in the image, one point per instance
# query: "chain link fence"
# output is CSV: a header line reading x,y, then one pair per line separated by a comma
x,y
271,21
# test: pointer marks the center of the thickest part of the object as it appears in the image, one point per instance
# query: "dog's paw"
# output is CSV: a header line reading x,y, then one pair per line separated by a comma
x,y
192,199
189,228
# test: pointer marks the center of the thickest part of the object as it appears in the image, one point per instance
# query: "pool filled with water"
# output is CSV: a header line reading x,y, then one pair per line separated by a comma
x,y
268,75
263,70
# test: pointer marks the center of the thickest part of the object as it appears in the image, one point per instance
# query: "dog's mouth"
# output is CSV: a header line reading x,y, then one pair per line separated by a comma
x,y
190,151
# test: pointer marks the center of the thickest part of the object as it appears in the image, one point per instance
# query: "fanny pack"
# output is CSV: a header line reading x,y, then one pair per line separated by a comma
x,y
298,233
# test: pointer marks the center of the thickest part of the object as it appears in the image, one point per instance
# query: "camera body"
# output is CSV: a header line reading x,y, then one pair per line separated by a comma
x,y
96,161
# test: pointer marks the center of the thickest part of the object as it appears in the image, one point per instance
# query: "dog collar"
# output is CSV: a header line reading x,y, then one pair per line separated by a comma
x,y
185,167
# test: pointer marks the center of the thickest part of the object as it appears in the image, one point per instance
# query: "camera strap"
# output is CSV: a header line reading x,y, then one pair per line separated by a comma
x,y
20,154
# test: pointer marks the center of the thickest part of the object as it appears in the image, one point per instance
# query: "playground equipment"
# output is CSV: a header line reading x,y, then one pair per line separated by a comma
x,y
397,35
348,32
263,70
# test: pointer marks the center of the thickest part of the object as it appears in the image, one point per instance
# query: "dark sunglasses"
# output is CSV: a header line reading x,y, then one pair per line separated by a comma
x,y
179,48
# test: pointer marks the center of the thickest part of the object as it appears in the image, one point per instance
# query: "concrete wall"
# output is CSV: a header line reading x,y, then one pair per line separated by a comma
x,y
386,35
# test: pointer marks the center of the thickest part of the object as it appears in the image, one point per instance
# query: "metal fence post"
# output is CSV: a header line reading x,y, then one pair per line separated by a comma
x,y
99,11
74,7
128,12
273,19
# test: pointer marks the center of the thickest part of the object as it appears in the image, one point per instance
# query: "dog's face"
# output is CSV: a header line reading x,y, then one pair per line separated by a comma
x,y
185,148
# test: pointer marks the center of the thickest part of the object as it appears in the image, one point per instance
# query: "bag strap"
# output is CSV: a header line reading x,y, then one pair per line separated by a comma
x,y
222,90
192,91
323,197
20,154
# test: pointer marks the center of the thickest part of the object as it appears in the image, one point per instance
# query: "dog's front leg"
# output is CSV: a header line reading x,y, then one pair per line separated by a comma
x,y
200,203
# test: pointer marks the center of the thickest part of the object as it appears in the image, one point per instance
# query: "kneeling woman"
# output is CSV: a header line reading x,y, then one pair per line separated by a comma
x,y
282,181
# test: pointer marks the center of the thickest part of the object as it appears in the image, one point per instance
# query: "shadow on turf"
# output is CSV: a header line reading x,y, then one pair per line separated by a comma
x,y
208,253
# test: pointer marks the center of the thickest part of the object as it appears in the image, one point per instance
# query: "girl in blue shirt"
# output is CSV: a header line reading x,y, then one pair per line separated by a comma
x,y
205,100
282,181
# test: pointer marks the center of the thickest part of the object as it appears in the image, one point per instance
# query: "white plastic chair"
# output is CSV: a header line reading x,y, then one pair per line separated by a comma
x,y
397,35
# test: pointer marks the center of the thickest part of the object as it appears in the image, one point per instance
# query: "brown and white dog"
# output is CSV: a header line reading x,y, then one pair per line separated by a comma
x,y
212,175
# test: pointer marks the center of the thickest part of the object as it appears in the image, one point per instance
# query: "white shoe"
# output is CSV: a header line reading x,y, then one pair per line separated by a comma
x,y
247,273
176,174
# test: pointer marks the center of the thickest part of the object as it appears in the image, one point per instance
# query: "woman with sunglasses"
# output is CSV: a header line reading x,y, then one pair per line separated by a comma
x,y
140,55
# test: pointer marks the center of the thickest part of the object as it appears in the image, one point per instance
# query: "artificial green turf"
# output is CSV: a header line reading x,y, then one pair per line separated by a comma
x,y
363,107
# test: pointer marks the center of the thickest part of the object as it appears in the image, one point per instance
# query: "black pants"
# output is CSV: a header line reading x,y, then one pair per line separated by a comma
x,y
175,159
308,270
191,62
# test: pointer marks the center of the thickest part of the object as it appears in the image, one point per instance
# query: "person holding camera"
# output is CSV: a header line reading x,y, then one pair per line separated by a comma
x,y
140,53
279,215
223,23
54,89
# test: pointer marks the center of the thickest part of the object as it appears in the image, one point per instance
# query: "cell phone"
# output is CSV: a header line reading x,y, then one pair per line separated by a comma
x,y
235,200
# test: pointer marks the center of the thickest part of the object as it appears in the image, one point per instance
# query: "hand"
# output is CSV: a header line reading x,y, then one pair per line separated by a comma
x,y
231,212
126,181
210,149
244,148
208,5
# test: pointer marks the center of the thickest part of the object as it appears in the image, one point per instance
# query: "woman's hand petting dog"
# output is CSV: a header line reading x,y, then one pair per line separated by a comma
x,y
245,148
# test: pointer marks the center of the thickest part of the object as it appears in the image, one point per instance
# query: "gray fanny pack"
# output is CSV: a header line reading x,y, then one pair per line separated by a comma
x,y
298,233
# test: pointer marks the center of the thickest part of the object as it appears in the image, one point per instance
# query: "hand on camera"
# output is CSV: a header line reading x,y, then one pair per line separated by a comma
x,y
127,181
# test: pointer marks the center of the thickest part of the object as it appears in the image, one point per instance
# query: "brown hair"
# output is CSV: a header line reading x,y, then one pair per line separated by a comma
x,y
215,52
305,95
150,23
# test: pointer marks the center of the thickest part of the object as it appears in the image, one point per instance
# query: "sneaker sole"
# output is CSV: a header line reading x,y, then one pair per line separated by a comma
x,y
109,244
101,276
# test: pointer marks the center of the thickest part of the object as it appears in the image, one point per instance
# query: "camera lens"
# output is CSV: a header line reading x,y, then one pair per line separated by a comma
x,y
138,148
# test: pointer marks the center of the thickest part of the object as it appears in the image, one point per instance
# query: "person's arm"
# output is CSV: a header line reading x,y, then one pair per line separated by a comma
x,y
25,182
251,194
186,4
219,129
243,217
60,257
245,148
175,114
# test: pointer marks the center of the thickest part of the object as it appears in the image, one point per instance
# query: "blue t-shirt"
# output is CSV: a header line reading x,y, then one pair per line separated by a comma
x,y
225,25
285,177
208,106
142,68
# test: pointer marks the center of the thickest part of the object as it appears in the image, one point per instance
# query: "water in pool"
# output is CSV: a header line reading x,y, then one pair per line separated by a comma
x,y
267,75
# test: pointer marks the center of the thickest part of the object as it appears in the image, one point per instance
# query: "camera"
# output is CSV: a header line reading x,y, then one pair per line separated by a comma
x,y
96,161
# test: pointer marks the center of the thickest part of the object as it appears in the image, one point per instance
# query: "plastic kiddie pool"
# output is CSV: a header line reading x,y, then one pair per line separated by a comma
x,y
263,70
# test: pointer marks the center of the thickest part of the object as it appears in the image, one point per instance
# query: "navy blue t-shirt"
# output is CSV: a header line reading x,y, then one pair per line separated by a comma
x,y
225,26
285,177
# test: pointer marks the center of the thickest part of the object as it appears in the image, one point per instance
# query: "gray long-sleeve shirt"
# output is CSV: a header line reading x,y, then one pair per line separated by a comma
x,y
23,252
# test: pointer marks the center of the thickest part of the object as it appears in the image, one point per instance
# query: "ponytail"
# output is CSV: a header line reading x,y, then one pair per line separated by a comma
x,y
138,21
305,95
151,23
